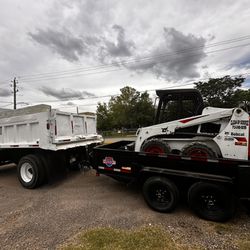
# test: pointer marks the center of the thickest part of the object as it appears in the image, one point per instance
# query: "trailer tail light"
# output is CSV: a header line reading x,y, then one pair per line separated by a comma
x,y
97,174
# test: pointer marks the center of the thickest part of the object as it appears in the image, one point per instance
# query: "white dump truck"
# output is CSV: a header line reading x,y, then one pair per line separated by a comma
x,y
40,140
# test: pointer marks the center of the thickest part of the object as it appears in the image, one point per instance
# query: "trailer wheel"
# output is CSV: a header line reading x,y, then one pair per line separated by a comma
x,y
160,194
31,173
211,201
156,146
197,149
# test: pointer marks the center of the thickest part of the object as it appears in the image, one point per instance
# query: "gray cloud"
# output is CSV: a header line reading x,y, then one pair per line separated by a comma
x,y
174,58
63,43
122,47
70,104
65,93
113,50
5,92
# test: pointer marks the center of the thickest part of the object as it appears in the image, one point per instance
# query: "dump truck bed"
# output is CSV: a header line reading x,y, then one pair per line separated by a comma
x,y
42,127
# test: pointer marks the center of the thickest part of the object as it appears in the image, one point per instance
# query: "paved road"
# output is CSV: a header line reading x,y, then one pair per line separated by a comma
x,y
46,217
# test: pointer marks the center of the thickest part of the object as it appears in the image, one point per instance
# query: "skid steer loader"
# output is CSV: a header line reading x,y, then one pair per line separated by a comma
x,y
185,127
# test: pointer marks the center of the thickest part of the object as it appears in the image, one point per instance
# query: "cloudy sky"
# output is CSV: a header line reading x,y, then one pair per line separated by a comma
x,y
70,53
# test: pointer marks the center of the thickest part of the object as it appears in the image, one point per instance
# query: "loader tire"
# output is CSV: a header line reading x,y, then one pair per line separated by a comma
x,y
212,201
156,146
31,171
198,149
161,194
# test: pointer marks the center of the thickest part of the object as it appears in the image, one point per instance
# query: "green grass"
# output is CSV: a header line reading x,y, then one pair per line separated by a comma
x,y
139,239
244,245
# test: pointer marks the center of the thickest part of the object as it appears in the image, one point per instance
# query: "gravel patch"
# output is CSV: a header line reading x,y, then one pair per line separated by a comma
x,y
47,217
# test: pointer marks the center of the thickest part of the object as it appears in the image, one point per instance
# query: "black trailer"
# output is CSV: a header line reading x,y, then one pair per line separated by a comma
x,y
212,186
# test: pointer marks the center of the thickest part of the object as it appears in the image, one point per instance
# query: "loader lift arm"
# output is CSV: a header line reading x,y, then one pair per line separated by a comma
x,y
169,128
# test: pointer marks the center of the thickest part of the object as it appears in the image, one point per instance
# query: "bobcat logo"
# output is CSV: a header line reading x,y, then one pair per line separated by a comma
x,y
164,130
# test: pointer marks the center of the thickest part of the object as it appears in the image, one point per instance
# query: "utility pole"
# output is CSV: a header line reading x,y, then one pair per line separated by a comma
x,y
15,90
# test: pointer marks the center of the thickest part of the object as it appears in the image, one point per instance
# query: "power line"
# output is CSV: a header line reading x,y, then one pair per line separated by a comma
x,y
112,70
131,61
5,102
76,99
6,105
80,71
148,90
5,82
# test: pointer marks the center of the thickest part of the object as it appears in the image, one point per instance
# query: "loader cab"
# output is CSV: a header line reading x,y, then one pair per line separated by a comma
x,y
175,104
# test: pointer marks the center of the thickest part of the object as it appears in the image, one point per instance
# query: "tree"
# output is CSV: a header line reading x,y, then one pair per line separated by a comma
x,y
130,109
103,117
222,92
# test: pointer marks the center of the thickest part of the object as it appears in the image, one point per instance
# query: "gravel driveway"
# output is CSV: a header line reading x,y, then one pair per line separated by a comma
x,y
46,217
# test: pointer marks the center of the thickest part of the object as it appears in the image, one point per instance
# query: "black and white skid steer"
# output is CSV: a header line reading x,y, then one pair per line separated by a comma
x,y
185,127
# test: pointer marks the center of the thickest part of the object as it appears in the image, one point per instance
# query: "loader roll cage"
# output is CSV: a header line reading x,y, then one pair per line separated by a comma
x,y
175,104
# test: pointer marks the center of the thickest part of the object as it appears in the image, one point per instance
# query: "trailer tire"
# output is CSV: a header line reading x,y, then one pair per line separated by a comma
x,y
197,149
160,194
31,172
156,146
211,201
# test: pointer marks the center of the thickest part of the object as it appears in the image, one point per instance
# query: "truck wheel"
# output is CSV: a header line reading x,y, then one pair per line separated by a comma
x,y
160,194
211,201
156,146
197,149
31,171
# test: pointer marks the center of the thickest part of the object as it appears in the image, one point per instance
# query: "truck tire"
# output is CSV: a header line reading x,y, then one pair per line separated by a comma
x,y
211,201
31,172
198,149
161,194
156,146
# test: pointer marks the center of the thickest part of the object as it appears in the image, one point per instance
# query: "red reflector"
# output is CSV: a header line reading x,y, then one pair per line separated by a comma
x,y
97,174
193,158
110,169
125,171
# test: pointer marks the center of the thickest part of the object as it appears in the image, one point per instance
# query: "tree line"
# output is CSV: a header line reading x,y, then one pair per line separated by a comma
x,y
132,109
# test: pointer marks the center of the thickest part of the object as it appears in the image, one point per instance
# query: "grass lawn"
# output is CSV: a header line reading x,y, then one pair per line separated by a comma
x,y
153,237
